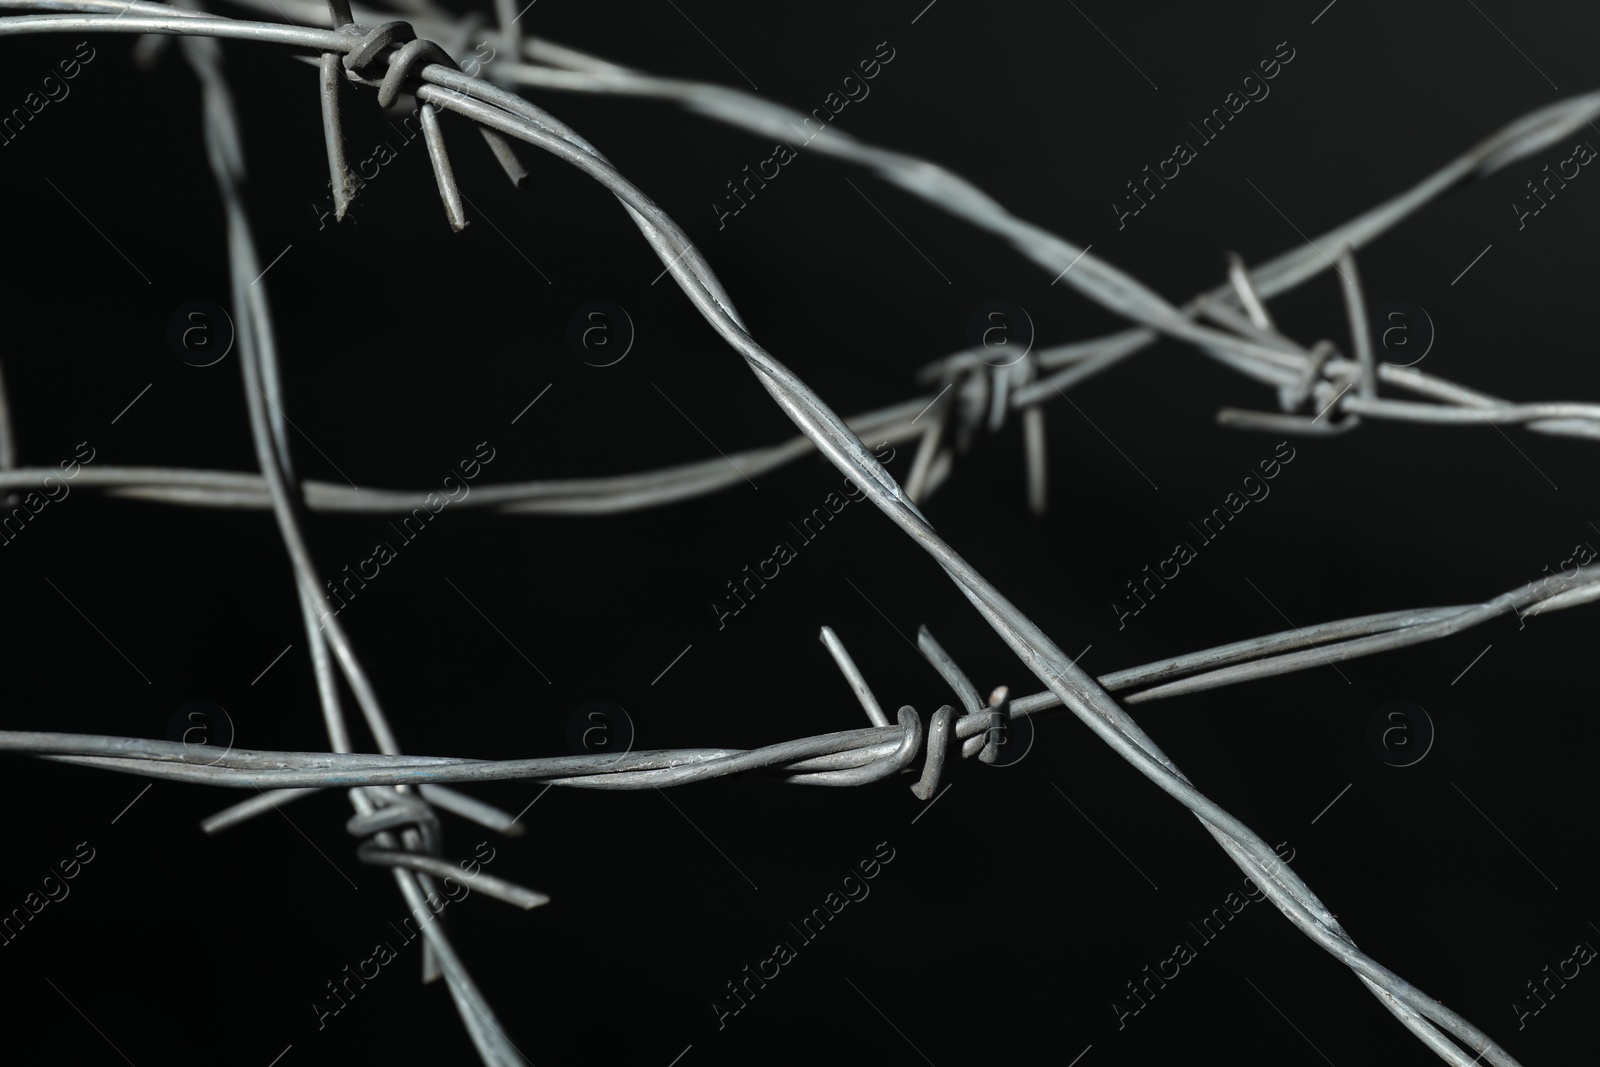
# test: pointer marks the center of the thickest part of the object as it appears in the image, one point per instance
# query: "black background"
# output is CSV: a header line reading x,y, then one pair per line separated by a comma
x,y
1007,922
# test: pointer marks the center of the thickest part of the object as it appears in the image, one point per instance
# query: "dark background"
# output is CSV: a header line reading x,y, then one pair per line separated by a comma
x,y
1013,914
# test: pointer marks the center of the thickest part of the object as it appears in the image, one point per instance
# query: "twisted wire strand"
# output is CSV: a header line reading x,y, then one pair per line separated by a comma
x,y
566,69
1260,655
1077,691
1276,361
259,367
575,71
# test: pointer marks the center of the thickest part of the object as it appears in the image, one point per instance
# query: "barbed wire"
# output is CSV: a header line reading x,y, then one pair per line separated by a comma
x,y
885,748
1255,348
391,58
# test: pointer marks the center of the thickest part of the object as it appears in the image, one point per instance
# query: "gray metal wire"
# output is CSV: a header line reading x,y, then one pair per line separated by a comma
x,y
390,790
300,773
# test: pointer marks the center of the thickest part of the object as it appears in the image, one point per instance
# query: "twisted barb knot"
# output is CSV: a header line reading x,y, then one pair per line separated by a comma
x,y
414,52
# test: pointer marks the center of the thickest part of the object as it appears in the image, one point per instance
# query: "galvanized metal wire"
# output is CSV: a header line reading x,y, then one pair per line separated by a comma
x,y
394,795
